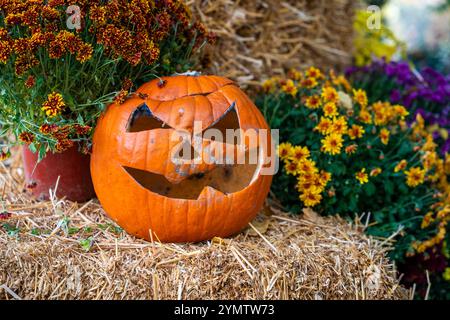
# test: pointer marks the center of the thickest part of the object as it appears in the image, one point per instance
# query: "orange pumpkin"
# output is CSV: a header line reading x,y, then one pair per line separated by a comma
x,y
155,198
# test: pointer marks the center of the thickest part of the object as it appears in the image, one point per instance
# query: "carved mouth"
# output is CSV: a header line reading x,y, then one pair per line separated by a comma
x,y
227,179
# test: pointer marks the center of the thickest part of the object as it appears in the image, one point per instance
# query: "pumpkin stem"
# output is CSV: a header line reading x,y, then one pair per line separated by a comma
x,y
189,73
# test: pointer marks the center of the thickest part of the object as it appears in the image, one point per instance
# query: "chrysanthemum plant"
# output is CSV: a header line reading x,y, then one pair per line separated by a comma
x,y
344,156
425,92
62,62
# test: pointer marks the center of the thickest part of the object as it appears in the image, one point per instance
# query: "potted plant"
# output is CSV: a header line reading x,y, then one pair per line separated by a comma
x,y
62,63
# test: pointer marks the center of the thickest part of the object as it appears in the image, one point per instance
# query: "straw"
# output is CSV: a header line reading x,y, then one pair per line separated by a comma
x,y
279,257
258,39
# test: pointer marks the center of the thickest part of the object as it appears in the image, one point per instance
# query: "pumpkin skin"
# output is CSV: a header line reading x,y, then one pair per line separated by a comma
x,y
154,216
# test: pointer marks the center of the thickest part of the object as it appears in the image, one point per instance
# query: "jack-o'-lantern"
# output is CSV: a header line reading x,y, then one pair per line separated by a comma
x,y
153,195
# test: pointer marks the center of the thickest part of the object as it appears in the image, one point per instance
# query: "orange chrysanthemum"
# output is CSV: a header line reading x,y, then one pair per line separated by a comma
x,y
351,149
48,129
54,105
26,137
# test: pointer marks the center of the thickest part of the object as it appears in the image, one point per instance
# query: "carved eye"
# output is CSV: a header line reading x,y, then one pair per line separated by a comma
x,y
143,119
218,130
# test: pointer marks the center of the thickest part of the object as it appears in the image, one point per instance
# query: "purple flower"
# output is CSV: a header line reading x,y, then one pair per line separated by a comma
x,y
396,96
446,147
433,77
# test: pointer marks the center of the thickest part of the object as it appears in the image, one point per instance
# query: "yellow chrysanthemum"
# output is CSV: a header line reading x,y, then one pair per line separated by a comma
x,y
376,172
295,75
306,182
365,117
290,88
342,81
362,176
447,164
330,110
384,136
299,154
415,177
324,126
360,96
382,113
332,144
420,122
429,144
313,72
270,85
307,167
329,94
401,166
356,132
313,102
444,213
309,83
427,220
339,126
401,111
291,167
324,178
311,197
284,150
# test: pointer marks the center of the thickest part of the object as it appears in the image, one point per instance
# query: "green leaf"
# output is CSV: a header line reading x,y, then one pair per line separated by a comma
x,y
338,168
405,149
353,204
370,189
379,216
11,230
32,147
35,232
298,136
42,151
87,229
388,187
72,230
86,244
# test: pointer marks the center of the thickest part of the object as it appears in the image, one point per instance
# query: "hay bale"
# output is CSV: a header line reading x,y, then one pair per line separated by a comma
x,y
62,250
262,38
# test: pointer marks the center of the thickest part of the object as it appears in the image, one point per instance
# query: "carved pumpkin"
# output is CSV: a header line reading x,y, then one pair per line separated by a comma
x,y
155,198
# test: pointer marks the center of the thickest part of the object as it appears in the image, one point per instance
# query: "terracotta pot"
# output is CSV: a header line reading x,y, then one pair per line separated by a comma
x,y
72,168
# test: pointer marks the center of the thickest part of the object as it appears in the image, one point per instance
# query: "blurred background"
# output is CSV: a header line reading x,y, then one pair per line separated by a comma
x,y
424,26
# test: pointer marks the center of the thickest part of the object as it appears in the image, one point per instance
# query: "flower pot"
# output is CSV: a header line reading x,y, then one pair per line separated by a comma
x,y
72,168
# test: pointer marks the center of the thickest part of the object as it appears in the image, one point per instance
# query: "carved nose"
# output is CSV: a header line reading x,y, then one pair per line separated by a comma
x,y
195,159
